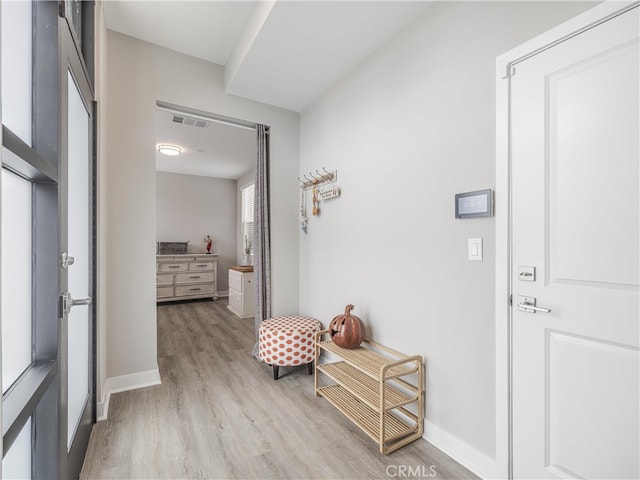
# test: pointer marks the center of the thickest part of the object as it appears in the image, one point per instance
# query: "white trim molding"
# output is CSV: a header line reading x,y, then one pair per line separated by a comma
x,y
504,69
463,453
125,383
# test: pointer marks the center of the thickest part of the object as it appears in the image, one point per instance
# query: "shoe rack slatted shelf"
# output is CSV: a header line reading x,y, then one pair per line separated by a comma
x,y
369,385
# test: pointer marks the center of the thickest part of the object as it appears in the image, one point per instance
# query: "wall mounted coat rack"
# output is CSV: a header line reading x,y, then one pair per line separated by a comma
x,y
310,180
314,181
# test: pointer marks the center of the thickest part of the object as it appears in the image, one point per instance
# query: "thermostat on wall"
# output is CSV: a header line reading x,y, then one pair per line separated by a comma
x,y
474,204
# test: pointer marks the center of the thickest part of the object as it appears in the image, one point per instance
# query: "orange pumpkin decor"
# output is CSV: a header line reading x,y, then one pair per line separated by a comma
x,y
347,331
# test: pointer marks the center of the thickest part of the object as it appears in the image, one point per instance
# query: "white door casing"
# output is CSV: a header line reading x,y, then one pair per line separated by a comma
x,y
574,215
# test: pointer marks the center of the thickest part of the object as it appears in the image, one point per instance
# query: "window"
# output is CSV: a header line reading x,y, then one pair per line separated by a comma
x,y
17,462
16,68
247,219
16,276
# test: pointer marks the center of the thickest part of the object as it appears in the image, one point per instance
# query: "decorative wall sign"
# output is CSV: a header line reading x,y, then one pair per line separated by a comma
x,y
330,193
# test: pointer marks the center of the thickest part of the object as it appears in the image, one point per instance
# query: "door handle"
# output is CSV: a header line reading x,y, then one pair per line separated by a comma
x,y
80,301
528,304
67,303
525,307
66,260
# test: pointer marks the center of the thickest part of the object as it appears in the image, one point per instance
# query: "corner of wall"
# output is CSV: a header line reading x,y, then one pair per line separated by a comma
x,y
101,215
122,384
463,453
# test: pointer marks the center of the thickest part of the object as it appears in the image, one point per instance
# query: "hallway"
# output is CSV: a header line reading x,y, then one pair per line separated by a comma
x,y
220,414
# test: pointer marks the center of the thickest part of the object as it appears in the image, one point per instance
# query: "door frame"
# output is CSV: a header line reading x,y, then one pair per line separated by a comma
x,y
505,65
71,62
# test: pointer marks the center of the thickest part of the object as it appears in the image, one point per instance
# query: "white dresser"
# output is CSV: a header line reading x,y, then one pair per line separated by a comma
x,y
184,277
242,291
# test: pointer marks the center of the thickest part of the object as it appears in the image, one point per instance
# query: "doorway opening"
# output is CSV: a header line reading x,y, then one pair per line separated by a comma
x,y
204,200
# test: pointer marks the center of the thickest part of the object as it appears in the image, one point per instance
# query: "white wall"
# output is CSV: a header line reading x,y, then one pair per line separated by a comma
x,y
406,130
188,208
101,194
139,74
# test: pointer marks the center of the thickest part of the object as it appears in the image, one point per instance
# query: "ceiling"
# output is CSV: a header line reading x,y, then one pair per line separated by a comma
x,y
206,30
283,53
213,150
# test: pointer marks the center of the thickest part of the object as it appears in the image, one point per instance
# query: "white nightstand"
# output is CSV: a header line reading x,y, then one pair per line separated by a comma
x,y
242,291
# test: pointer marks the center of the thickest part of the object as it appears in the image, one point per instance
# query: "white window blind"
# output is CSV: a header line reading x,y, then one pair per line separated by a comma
x,y
247,218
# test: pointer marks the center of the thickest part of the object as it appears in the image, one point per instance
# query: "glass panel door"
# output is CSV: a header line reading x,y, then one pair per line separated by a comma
x,y
79,246
77,390
47,194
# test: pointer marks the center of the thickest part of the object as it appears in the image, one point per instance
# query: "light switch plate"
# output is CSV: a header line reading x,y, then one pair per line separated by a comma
x,y
474,249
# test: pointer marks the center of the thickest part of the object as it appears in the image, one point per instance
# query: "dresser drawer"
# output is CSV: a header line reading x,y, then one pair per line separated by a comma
x,y
235,280
164,279
164,292
195,277
199,266
242,304
240,281
235,300
203,289
172,267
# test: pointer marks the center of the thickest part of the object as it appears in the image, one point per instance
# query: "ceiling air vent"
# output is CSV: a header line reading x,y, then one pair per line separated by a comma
x,y
192,122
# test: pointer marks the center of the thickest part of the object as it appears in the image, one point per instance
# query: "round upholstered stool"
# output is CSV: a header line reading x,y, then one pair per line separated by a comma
x,y
287,341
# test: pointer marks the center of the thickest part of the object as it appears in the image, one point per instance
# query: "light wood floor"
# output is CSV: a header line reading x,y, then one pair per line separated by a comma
x,y
220,414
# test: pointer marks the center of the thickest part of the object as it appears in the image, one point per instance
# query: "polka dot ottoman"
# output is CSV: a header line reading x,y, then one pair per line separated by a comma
x,y
287,341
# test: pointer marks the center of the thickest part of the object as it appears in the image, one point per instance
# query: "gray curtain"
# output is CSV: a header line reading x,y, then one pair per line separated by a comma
x,y
261,241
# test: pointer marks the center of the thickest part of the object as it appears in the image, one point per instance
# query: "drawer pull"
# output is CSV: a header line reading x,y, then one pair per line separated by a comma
x,y
174,266
197,276
203,266
194,289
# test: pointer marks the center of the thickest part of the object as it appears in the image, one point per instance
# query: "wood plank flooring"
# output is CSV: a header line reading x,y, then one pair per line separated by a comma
x,y
220,415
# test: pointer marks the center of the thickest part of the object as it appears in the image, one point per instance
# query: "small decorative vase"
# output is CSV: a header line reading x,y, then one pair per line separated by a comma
x,y
346,330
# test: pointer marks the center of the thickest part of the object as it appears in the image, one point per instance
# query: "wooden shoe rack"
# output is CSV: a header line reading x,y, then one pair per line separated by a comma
x,y
378,389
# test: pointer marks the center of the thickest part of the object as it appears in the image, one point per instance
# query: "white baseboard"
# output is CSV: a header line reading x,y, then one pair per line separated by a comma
x,y
463,453
124,383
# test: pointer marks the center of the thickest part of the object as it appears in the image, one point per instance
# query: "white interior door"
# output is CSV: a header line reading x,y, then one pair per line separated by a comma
x,y
575,250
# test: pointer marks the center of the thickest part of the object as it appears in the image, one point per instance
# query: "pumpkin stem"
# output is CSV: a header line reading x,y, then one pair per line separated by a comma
x,y
347,309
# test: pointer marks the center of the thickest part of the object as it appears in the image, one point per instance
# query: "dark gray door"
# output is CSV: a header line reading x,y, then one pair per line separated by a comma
x,y
47,207
76,220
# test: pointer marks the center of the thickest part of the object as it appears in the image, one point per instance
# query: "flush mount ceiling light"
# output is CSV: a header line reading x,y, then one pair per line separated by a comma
x,y
169,150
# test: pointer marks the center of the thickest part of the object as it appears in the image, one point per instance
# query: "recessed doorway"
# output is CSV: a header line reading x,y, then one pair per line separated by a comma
x,y
199,189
